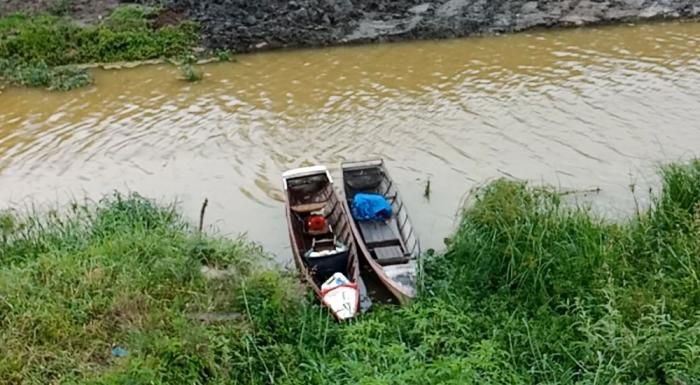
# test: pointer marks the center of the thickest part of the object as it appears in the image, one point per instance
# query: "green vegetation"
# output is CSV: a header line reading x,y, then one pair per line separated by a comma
x,y
41,75
530,291
188,68
35,49
191,73
123,272
224,55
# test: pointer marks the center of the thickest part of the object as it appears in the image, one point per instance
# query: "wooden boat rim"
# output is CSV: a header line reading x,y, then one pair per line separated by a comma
x,y
379,269
353,274
305,171
352,165
361,244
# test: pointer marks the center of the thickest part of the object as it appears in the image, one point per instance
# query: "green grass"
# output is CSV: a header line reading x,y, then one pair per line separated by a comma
x,y
63,78
530,291
33,47
191,73
224,55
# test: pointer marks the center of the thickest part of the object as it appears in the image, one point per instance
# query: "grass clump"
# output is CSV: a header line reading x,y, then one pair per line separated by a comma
x,y
530,291
33,46
127,34
224,55
188,69
123,272
191,73
62,78
576,299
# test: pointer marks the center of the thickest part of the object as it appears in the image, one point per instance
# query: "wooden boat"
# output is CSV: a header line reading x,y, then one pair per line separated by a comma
x,y
390,247
323,246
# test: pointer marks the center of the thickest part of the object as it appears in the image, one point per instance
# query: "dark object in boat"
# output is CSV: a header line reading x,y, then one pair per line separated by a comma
x,y
391,248
370,207
326,256
323,266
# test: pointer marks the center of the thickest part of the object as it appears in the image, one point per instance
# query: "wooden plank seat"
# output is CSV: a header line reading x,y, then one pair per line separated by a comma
x,y
376,231
321,244
308,207
390,255
383,242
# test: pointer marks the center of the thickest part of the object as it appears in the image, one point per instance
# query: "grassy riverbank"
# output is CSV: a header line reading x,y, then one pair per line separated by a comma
x,y
44,50
529,291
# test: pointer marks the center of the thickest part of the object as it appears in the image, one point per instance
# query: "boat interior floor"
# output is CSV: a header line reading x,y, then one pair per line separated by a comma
x,y
383,241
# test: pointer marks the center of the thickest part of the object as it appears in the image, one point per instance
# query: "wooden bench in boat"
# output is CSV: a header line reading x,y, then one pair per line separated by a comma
x,y
306,208
381,240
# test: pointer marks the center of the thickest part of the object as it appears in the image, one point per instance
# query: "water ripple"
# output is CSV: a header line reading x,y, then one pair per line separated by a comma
x,y
578,108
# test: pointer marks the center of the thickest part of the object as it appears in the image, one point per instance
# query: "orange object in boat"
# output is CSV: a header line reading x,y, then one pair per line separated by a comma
x,y
316,224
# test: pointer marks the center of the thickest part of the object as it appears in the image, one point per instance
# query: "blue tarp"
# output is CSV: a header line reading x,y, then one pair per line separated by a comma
x,y
370,207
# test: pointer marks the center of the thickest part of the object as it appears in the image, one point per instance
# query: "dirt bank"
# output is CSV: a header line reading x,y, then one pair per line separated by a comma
x,y
80,10
245,25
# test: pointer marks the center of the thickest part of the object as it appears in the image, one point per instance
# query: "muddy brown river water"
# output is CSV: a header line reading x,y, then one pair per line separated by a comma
x,y
585,108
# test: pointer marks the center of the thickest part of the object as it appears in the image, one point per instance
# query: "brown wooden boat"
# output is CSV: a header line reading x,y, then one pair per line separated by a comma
x,y
323,245
390,247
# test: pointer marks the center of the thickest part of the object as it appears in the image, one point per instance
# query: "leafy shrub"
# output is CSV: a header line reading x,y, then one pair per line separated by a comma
x,y
224,55
191,73
32,46
40,75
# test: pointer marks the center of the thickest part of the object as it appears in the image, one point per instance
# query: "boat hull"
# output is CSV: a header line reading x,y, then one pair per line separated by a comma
x,y
399,276
343,302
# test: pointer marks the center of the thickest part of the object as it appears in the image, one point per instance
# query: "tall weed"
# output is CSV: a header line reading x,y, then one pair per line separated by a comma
x,y
530,291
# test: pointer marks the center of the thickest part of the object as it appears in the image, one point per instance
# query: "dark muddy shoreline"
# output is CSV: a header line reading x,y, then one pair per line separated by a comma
x,y
245,25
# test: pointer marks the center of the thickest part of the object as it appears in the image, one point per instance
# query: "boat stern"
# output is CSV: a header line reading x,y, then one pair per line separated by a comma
x,y
343,301
304,172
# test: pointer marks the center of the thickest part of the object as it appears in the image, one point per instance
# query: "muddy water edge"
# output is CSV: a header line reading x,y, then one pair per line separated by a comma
x,y
579,109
